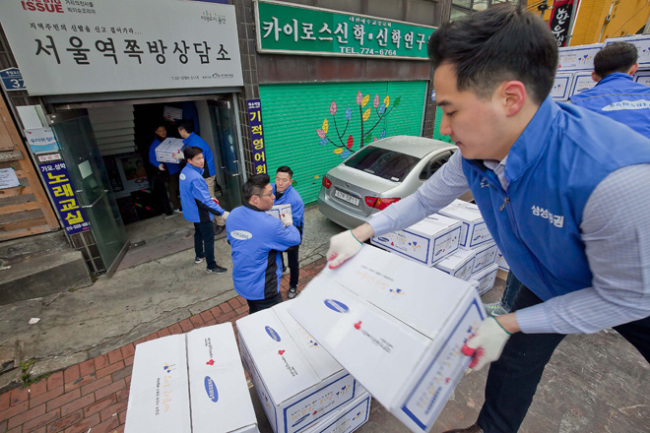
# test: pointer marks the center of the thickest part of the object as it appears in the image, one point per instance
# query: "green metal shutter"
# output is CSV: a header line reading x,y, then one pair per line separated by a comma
x,y
296,134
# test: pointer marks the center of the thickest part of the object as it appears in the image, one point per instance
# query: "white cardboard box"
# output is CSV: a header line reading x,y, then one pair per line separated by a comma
x,y
204,364
473,232
459,264
159,400
219,394
297,381
562,86
485,256
346,419
373,314
501,261
278,210
485,278
169,147
426,242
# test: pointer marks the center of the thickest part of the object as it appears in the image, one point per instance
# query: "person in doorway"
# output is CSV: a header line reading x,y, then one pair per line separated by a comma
x,y
165,182
186,131
198,208
257,240
286,194
563,191
616,95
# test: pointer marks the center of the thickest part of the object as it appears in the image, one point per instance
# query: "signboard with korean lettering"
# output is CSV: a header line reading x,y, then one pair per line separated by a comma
x,y
578,58
293,29
12,80
66,46
41,140
257,135
561,20
58,182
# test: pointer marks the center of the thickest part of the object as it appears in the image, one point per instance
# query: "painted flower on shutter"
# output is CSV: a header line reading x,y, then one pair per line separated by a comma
x,y
348,113
333,108
366,114
321,133
375,102
326,126
350,142
359,97
387,101
365,100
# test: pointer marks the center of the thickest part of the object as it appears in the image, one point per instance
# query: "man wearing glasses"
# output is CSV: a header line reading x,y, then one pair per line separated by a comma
x,y
257,239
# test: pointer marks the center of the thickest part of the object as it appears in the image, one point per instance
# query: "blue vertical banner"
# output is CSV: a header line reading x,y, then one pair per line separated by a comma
x,y
257,135
57,179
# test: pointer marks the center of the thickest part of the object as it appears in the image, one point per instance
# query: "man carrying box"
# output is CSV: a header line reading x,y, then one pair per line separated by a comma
x,y
285,194
166,179
257,240
564,192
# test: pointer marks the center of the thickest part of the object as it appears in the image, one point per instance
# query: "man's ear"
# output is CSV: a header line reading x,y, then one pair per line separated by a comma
x,y
513,94
596,77
633,69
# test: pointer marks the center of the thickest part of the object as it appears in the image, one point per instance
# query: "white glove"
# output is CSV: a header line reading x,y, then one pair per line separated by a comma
x,y
161,167
287,219
487,344
342,247
178,156
225,214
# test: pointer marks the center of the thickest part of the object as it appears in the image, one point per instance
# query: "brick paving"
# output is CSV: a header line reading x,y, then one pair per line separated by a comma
x,y
92,396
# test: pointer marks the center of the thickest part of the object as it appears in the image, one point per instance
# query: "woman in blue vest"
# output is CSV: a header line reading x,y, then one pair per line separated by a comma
x,y
564,192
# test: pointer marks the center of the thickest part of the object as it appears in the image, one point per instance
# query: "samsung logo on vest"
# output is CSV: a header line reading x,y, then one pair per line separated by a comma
x,y
641,104
242,235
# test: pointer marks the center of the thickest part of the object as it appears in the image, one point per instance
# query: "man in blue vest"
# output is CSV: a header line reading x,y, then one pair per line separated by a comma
x,y
257,240
186,131
166,180
286,194
617,95
564,192
198,208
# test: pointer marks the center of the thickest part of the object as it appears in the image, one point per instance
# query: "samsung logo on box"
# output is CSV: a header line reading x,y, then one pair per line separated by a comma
x,y
211,389
383,239
272,333
337,306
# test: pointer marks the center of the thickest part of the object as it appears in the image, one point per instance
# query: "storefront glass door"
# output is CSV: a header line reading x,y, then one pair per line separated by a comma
x,y
74,133
223,120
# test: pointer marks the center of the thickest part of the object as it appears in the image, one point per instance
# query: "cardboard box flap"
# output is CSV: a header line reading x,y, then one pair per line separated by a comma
x,y
345,323
219,393
403,289
462,210
159,399
321,361
279,360
433,224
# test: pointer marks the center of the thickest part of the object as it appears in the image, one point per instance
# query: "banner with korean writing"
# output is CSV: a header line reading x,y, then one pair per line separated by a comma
x,y
293,29
57,180
66,47
561,20
41,140
257,135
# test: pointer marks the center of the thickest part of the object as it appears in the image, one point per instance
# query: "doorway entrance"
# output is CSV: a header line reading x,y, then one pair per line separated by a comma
x,y
141,191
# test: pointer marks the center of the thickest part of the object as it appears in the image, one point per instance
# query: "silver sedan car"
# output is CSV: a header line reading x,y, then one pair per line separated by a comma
x,y
378,175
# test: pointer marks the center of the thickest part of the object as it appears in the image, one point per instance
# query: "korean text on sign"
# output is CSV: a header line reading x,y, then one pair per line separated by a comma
x,y
257,135
57,179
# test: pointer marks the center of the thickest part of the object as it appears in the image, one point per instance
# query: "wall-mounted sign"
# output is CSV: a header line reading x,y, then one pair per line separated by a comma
x,y
57,179
257,135
642,43
122,45
578,58
12,80
8,178
294,29
41,140
561,20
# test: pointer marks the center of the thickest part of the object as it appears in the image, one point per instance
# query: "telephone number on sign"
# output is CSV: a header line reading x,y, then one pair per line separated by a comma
x,y
380,52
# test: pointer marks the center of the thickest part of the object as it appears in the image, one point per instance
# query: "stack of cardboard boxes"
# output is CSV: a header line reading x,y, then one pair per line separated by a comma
x,y
455,240
300,385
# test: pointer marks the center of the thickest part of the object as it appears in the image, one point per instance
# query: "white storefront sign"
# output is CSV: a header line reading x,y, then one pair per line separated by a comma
x,y
65,46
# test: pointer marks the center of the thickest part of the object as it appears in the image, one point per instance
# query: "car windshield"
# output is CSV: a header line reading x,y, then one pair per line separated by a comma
x,y
384,163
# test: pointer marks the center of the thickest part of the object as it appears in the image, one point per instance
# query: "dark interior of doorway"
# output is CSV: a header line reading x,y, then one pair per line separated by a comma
x,y
148,202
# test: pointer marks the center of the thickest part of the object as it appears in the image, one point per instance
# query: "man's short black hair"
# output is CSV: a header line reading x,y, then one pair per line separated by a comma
x,y
615,57
191,151
255,185
501,43
285,169
186,125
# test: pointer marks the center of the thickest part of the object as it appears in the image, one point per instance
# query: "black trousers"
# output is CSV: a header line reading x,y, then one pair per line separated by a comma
x,y
204,242
263,304
513,378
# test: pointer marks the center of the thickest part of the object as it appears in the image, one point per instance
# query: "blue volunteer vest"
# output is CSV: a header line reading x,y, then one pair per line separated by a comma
x,y
552,169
